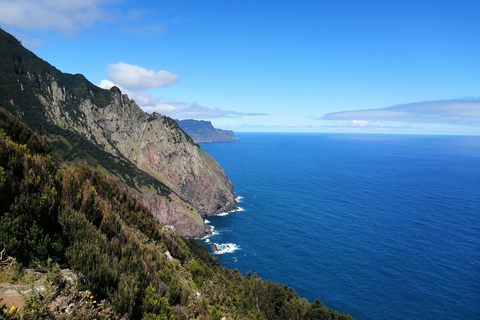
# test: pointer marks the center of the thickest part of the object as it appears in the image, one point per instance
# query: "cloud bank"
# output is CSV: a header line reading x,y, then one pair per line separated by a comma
x,y
66,16
132,77
457,112
182,110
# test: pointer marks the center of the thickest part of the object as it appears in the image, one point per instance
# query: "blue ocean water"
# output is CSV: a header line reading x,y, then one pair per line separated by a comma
x,y
376,226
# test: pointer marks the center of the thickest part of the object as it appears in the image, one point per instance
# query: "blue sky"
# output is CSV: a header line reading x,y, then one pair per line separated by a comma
x,y
289,66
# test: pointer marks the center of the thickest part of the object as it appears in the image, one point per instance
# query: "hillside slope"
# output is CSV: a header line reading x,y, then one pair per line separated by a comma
x,y
126,264
179,181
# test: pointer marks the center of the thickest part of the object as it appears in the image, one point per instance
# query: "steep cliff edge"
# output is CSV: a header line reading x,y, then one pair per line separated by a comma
x,y
154,143
112,132
121,263
204,131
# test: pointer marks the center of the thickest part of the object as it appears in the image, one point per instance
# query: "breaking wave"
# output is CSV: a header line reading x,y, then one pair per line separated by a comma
x,y
224,248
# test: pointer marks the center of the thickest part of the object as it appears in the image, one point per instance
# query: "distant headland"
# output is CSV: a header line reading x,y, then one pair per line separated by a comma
x,y
203,131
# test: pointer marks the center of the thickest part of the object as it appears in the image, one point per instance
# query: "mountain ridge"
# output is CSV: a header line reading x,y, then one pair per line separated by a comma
x,y
180,183
122,264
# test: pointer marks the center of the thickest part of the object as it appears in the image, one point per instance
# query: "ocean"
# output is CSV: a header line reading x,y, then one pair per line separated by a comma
x,y
376,226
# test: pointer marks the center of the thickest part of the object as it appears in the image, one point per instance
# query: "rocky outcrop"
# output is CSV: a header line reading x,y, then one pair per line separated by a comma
x,y
175,212
113,126
154,143
203,131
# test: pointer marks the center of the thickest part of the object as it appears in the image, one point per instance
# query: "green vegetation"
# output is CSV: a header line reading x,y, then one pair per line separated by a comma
x,y
70,147
80,218
24,78
172,124
55,216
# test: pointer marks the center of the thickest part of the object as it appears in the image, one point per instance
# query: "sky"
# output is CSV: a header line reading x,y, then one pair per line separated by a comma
x,y
367,66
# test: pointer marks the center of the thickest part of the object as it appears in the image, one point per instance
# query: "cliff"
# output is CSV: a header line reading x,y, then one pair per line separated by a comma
x,y
122,264
203,131
149,154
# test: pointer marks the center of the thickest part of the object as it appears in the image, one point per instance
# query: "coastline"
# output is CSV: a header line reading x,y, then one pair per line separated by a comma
x,y
221,248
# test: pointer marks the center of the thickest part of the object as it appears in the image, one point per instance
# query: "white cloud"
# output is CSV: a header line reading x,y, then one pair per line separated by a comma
x,y
66,16
151,104
136,78
182,110
359,123
107,84
178,110
133,79
457,112
146,101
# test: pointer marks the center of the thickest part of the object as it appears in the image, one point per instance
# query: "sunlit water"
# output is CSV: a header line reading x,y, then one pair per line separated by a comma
x,y
376,226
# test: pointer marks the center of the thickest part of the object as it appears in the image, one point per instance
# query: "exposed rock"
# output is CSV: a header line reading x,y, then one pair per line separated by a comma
x,y
153,143
168,256
11,294
70,276
168,228
215,247
47,100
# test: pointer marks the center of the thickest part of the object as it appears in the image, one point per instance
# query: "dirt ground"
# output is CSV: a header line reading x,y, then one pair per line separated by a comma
x,y
10,295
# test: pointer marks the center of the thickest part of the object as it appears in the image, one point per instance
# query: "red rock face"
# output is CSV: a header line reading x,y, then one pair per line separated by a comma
x,y
176,214
156,145
42,95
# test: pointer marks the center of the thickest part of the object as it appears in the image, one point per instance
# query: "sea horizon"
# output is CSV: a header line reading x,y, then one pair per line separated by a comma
x,y
387,133
326,213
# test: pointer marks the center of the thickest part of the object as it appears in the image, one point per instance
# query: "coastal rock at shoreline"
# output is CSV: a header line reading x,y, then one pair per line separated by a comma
x,y
223,248
215,247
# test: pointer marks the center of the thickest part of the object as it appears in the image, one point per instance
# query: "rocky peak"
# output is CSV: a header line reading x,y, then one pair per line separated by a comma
x,y
110,125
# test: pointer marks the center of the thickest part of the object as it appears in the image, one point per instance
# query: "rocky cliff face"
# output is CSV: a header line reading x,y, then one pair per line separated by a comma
x,y
52,102
154,143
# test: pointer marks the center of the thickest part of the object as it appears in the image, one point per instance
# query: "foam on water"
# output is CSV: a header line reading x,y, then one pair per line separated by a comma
x,y
377,226
224,248
228,212
213,233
